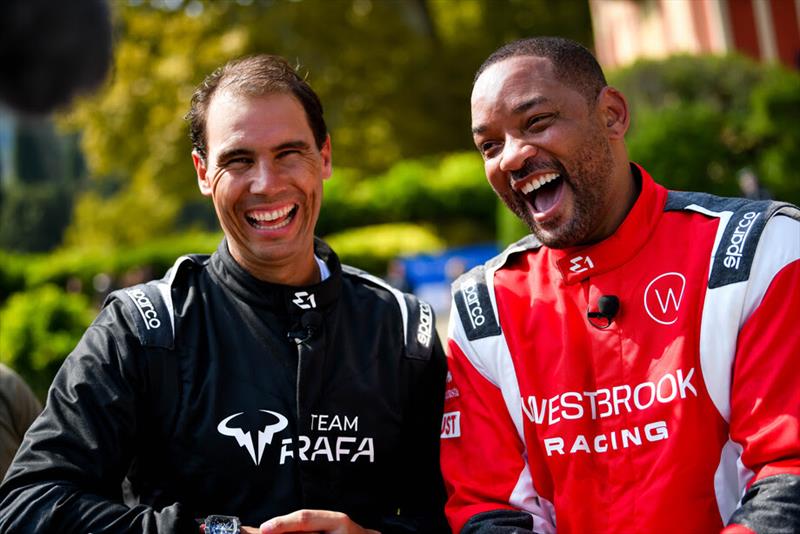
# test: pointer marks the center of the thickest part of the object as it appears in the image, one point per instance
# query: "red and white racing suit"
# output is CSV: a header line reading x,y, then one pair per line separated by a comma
x,y
681,415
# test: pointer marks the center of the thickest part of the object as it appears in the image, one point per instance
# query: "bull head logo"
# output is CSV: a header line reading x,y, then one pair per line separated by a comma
x,y
245,439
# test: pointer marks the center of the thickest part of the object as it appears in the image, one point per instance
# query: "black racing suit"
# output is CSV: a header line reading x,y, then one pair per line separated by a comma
x,y
211,392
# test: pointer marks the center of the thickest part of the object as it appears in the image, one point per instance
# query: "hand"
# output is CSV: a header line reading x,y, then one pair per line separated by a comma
x,y
321,521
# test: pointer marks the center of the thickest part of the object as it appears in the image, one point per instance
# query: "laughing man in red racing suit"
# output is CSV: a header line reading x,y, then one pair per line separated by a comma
x,y
632,365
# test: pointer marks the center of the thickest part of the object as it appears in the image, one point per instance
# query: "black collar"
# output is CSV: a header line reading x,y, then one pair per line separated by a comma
x,y
282,299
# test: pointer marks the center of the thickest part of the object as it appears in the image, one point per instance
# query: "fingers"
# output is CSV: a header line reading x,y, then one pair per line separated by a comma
x,y
312,521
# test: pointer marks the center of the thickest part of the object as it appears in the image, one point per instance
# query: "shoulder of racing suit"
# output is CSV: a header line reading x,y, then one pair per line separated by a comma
x,y
151,303
742,221
417,315
473,292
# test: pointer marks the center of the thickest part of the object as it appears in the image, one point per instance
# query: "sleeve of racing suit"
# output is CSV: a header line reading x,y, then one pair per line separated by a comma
x,y
67,476
483,457
765,388
422,494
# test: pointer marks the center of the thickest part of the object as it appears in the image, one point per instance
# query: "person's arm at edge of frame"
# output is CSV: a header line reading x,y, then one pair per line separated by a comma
x,y
765,391
478,430
68,473
19,407
423,494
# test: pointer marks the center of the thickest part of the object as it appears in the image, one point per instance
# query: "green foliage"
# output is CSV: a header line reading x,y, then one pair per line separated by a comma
x,y
450,191
384,102
12,272
99,222
118,266
371,248
33,216
721,82
696,121
774,128
38,329
682,146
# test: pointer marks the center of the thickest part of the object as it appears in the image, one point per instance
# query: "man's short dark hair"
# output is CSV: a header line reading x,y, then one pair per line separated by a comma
x,y
259,75
573,64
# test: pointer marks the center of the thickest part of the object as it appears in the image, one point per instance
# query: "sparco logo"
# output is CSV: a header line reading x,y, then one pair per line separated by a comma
x,y
145,307
425,324
304,300
733,254
581,264
245,439
474,310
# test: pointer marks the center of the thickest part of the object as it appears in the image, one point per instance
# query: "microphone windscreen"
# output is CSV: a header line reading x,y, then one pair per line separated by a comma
x,y
608,305
311,319
51,51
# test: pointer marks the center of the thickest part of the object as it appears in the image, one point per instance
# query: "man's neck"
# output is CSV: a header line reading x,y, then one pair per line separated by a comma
x,y
288,272
628,188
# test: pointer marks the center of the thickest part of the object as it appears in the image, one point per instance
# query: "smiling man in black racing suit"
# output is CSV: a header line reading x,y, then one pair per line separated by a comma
x,y
266,381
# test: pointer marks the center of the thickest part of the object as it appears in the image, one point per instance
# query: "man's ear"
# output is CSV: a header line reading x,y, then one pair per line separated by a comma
x,y
613,109
202,178
325,152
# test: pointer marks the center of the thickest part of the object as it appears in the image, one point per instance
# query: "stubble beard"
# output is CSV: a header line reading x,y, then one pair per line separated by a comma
x,y
589,182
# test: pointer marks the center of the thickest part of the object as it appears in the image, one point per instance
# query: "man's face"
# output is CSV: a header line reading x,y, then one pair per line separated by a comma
x,y
264,173
545,151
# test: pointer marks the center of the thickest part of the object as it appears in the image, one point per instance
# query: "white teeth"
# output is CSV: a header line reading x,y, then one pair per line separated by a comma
x,y
267,216
536,183
280,224
530,186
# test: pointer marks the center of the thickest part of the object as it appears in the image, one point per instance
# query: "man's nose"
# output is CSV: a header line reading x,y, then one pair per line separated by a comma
x,y
264,178
515,153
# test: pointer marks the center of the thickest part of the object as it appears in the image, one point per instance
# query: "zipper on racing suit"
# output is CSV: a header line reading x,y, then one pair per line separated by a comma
x,y
310,342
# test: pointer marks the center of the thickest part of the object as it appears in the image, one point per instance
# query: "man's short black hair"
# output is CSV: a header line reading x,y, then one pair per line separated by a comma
x,y
258,75
573,64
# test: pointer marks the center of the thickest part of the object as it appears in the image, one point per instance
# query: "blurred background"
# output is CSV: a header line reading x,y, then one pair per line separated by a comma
x,y
101,193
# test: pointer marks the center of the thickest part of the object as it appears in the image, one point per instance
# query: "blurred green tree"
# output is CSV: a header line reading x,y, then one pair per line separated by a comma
x,y
38,329
394,77
698,120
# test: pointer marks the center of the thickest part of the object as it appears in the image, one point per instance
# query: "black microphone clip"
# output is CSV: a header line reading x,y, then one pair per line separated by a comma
x,y
310,323
608,307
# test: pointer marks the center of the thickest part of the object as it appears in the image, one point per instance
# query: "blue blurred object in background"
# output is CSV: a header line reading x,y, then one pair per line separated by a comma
x,y
429,275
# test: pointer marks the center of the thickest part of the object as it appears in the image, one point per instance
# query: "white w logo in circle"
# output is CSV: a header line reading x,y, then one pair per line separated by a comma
x,y
245,439
663,296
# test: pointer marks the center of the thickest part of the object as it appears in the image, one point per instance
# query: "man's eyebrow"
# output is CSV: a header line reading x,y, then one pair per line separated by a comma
x,y
516,110
233,152
528,104
299,144
478,129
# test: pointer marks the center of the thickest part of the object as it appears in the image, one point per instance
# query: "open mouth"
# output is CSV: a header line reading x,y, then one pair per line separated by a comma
x,y
543,192
271,219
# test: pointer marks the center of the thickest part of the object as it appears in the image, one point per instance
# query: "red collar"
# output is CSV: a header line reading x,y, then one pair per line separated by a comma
x,y
578,263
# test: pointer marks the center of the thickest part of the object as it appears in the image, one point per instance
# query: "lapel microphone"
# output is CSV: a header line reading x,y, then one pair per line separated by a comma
x,y
607,308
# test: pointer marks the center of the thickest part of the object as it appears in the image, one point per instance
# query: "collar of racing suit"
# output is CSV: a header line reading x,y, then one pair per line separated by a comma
x,y
578,263
292,301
